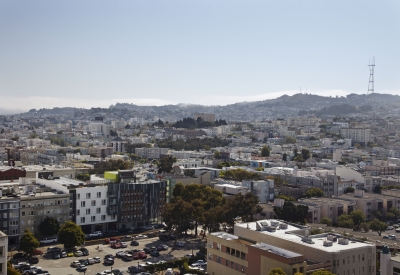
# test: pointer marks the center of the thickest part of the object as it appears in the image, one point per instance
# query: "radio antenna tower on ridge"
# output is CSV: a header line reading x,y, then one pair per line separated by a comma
x,y
371,76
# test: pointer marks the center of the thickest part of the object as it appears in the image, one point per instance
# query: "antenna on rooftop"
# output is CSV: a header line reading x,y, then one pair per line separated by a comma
x,y
371,76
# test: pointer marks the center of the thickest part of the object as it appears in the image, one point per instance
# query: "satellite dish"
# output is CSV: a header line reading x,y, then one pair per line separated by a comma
x,y
307,233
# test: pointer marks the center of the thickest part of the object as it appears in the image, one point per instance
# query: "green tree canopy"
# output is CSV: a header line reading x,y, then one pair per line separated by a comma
x,y
326,221
292,213
394,213
71,235
217,155
286,198
111,165
345,221
11,270
277,271
265,151
241,174
49,227
165,164
358,217
28,242
377,226
314,192
305,154
290,140
364,226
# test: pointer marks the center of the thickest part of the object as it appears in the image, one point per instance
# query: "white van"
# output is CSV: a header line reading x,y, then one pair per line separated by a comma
x,y
49,240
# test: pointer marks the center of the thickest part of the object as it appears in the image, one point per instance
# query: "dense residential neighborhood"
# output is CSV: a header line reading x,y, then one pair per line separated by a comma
x,y
259,186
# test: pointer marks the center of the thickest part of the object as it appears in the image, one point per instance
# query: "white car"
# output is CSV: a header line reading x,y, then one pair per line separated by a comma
x,y
201,262
124,245
97,259
96,234
138,237
169,271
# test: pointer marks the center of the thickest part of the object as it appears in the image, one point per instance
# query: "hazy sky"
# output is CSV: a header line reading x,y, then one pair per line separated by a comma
x,y
95,53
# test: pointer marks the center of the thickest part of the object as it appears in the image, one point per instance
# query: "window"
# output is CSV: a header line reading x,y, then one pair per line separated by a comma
x,y
242,255
103,217
93,203
362,258
232,264
79,196
210,244
82,219
210,256
88,211
232,251
99,194
242,269
88,195
354,259
228,250
348,259
294,270
98,210
93,219
218,259
83,203
5,215
78,212
23,213
219,246
226,262
103,202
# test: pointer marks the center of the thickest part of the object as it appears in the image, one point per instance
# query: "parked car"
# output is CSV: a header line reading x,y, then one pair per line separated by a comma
x,y
63,254
155,253
84,262
116,271
139,237
56,255
134,243
189,256
75,263
147,250
201,262
120,254
169,271
41,271
48,240
78,253
96,234
90,261
133,269
70,254
53,249
81,268
390,228
33,260
124,245
180,243
392,237
84,251
97,260
142,255
109,261
19,255
110,256
150,227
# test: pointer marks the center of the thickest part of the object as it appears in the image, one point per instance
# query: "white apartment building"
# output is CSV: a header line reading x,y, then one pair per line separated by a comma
x,y
100,129
346,257
264,189
118,124
91,208
119,146
224,130
3,252
36,142
359,135
188,163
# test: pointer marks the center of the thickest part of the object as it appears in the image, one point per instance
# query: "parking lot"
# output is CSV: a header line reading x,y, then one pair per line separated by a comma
x,y
62,265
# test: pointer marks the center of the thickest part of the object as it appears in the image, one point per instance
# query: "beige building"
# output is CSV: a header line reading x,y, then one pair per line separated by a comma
x,y
344,256
3,252
39,202
56,170
36,142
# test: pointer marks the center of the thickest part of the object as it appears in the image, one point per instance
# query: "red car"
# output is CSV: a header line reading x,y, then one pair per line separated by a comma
x,y
142,255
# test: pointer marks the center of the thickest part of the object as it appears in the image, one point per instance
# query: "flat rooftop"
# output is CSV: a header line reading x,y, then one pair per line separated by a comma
x,y
296,234
277,250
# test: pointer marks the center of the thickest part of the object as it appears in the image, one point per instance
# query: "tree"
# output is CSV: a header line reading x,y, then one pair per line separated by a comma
x,y
2,131
394,213
217,155
313,193
376,213
365,226
111,165
62,151
284,157
305,154
28,242
265,151
326,221
71,235
290,140
165,164
377,226
377,189
292,213
113,133
246,206
11,270
286,198
349,190
345,221
277,271
49,227
358,217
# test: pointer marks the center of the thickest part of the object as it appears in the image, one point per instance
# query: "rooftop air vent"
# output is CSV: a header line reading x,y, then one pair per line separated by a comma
x,y
283,226
343,241
328,243
332,238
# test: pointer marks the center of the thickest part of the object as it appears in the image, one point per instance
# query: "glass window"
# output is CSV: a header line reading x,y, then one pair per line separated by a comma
x,y
210,256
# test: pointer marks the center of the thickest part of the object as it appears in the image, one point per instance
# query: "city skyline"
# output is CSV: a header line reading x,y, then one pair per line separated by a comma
x,y
94,54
